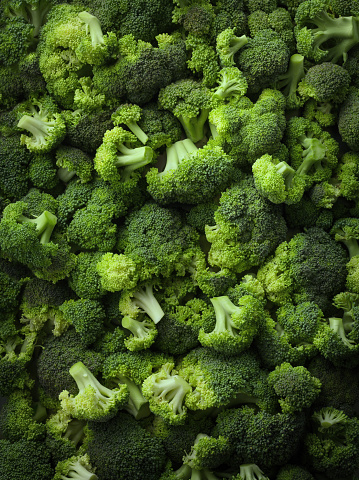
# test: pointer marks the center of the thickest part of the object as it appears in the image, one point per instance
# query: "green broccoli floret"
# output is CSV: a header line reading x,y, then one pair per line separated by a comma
x,y
47,126
207,452
236,325
263,59
113,154
84,279
277,181
295,387
116,272
78,467
191,174
313,151
232,84
347,172
261,437
25,459
143,333
87,317
158,241
73,162
43,172
314,27
21,418
94,401
310,267
129,115
190,102
348,123
166,391
326,82
114,445
228,44
203,60
346,231
195,17
332,447
238,242
293,472
141,299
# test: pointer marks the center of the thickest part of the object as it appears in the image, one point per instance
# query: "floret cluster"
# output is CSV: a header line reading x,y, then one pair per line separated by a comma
x,y
179,239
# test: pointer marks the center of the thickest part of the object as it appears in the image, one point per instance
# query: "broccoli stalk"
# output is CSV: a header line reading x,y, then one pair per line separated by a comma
x,y
141,299
137,404
143,333
288,82
328,417
178,152
251,471
346,231
232,84
337,325
129,115
93,28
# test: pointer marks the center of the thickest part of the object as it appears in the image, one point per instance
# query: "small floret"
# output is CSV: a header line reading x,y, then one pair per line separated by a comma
x,y
228,44
75,467
129,115
93,401
73,162
143,333
232,84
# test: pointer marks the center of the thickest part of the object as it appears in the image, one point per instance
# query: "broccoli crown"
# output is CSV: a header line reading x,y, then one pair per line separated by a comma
x,y
14,167
348,120
263,59
310,267
326,82
113,446
268,439
248,228
25,459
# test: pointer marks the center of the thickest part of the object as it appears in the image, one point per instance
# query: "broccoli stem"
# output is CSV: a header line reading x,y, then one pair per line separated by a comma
x,y
235,44
172,389
137,404
224,308
45,223
133,158
329,28
65,175
145,300
136,130
314,152
336,324
178,152
352,246
93,27
287,173
75,431
194,126
327,417
228,87
187,473
289,80
251,470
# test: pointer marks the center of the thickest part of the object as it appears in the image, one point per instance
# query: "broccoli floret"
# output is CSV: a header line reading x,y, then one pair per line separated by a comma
x,y
237,241
73,162
268,439
116,272
166,391
348,124
346,231
315,27
47,126
143,333
141,299
75,467
94,401
295,387
332,447
293,472
288,82
310,267
113,154
25,459
203,60
232,84
57,357
190,102
114,445
228,44
263,60
236,325
42,172
191,174
129,115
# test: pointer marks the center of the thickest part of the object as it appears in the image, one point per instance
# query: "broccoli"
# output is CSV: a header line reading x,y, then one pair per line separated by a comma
x,y
228,44
143,333
231,84
129,115
73,162
348,120
93,401
75,467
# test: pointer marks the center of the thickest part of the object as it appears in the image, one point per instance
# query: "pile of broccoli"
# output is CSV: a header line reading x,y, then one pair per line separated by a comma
x,y
179,239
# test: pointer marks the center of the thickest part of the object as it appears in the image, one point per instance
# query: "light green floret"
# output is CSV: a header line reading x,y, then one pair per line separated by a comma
x,y
250,471
129,115
228,45
73,162
232,84
117,272
114,154
47,128
166,391
143,333
94,401
236,326
277,181
207,452
75,468
141,299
